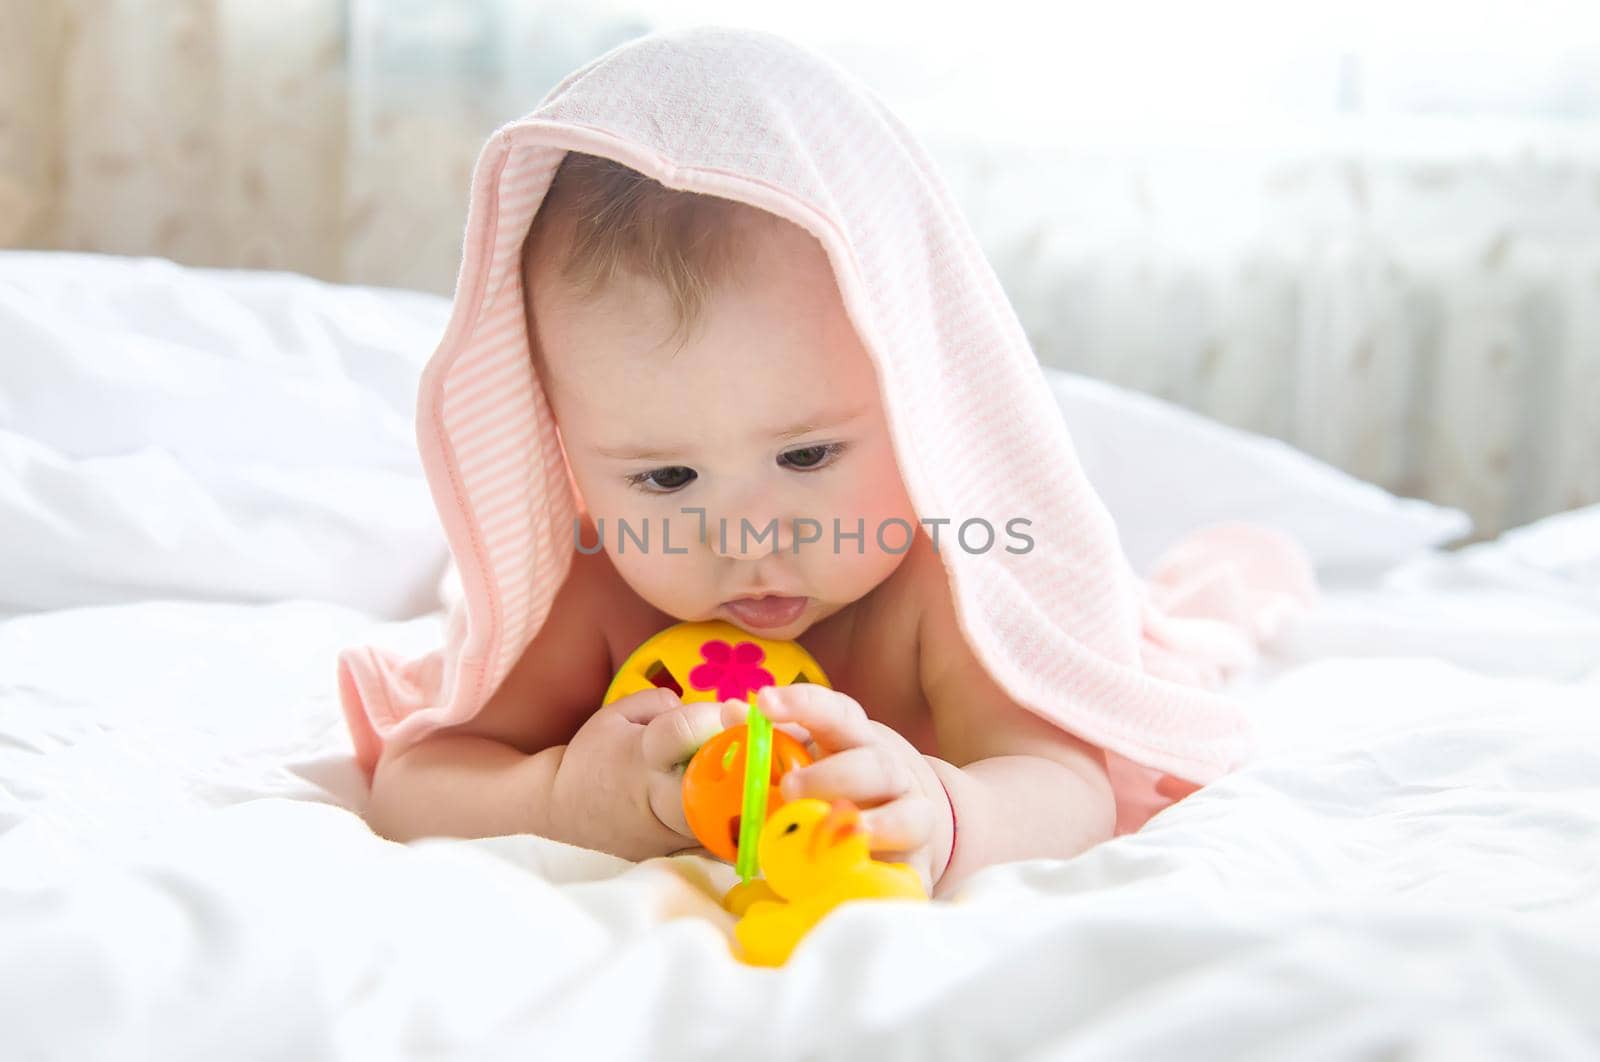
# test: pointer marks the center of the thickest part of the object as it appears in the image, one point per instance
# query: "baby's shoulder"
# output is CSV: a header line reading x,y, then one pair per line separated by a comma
x,y
918,587
927,606
605,601
564,671
561,674
879,661
892,619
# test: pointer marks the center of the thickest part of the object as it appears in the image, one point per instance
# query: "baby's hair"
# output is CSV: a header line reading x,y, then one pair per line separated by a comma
x,y
600,216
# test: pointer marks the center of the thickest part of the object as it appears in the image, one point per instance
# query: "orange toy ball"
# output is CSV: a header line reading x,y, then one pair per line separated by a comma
x,y
713,786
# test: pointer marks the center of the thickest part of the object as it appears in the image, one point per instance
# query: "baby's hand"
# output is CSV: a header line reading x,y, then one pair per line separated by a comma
x,y
673,732
600,799
861,760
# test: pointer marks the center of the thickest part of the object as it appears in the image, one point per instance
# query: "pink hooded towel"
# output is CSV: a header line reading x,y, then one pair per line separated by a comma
x,y
1067,628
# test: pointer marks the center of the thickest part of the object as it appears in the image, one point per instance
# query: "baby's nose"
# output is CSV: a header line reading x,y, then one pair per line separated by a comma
x,y
749,533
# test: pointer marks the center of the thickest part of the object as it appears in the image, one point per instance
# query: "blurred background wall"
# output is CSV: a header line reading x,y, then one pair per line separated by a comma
x,y
1371,230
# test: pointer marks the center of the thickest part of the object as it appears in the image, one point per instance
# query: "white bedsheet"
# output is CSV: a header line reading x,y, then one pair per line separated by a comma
x,y
1411,870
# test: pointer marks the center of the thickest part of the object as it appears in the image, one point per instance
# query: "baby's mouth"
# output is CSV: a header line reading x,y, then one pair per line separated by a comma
x,y
770,611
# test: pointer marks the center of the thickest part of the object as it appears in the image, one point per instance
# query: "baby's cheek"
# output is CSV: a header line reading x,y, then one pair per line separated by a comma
x,y
661,579
880,496
887,524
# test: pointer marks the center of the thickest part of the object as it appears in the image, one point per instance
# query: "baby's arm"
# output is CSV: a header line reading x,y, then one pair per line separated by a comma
x,y
591,792
1013,807
540,756
942,820
461,785
1019,786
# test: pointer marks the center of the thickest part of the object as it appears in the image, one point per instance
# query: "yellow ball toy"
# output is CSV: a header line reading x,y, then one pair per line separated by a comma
x,y
713,660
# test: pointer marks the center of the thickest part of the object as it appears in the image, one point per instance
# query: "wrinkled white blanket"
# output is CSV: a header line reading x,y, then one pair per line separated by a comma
x,y
1412,870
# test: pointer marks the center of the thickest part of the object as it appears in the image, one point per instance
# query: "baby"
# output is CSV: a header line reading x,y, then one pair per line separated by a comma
x,y
712,395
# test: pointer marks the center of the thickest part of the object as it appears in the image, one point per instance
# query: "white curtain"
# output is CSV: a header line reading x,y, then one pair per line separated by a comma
x,y
1384,255
329,137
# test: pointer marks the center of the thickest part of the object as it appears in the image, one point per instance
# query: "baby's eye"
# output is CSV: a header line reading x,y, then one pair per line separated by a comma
x,y
665,480
807,458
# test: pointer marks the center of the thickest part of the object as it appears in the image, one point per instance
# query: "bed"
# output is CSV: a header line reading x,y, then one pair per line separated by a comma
x,y
207,489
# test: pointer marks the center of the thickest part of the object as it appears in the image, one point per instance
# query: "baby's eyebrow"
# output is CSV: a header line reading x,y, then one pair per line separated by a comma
x,y
816,422
631,453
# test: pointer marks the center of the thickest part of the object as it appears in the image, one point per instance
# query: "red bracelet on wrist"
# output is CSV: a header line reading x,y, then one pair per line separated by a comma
x,y
951,858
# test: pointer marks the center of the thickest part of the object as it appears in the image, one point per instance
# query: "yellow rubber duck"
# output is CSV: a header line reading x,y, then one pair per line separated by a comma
x,y
814,855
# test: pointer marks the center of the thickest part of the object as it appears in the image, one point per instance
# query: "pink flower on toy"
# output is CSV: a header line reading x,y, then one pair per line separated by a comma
x,y
734,671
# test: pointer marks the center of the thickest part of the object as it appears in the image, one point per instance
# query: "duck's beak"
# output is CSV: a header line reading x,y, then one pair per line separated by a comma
x,y
841,821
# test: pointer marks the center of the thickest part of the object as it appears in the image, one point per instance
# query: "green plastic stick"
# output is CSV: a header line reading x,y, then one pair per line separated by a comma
x,y
757,778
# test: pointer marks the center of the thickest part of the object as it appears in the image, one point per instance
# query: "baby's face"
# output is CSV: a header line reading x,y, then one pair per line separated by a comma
x,y
770,411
